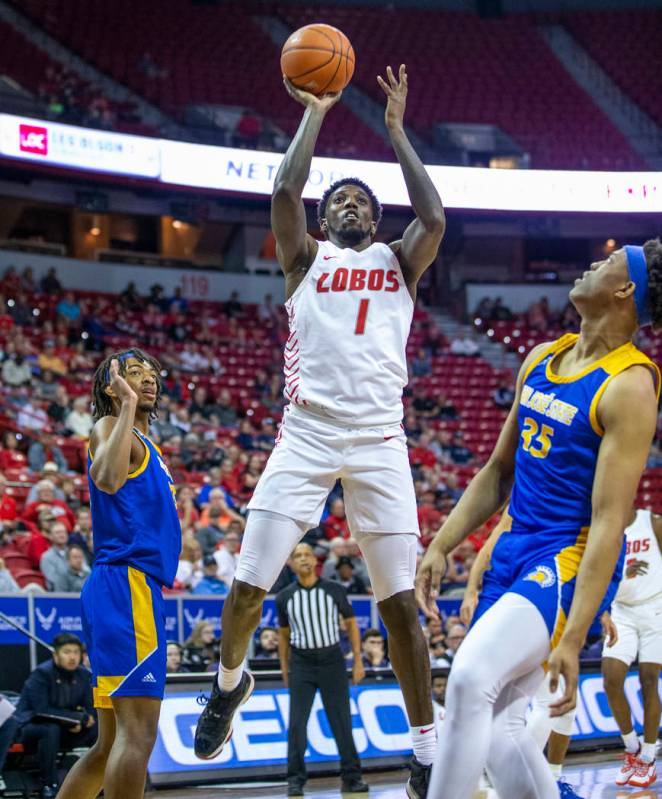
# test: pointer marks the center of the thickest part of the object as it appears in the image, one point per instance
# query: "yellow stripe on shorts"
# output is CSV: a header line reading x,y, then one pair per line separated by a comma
x,y
144,625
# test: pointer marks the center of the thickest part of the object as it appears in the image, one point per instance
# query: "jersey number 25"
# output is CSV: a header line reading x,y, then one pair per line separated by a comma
x,y
536,439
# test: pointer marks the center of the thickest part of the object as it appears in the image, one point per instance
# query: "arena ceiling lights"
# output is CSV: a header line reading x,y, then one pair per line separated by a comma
x,y
252,172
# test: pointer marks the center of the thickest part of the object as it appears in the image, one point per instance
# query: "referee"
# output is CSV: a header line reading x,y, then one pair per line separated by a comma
x,y
311,659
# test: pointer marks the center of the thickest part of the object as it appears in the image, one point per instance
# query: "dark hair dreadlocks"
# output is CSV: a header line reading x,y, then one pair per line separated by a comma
x,y
374,202
653,254
103,404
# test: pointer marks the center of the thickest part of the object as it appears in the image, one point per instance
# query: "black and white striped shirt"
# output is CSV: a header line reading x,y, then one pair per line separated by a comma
x,y
312,613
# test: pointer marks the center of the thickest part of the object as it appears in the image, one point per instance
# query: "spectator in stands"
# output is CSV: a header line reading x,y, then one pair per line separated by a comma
x,y
232,307
459,453
466,345
45,386
82,534
53,564
373,650
68,309
450,487
424,405
27,280
32,415
437,650
227,558
43,450
570,318
421,365
80,421
49,359
210,582
51,473
8,584
46,501
484,309
224,409
500,312
21,311
335,524
212,534
16,371
50,284
199,647
56,709
58,408
504,395
454,638
73,579
188,513
266,312
266,438
346,577
189,569
245,438
174,657
8,513
267,647
40,539
130,299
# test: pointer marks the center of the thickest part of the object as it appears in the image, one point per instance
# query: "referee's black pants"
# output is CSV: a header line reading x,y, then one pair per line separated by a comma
x,y
325,669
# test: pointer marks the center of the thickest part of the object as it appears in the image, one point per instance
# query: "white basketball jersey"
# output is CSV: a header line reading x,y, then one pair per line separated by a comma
x,y
349,321
641,544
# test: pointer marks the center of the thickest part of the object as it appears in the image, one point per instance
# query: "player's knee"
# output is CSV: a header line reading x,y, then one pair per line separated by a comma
x,y
613,681
245,597
400,614
649,682
467,684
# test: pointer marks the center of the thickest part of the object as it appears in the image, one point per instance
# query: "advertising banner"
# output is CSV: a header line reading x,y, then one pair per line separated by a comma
x,y
16,608
57,614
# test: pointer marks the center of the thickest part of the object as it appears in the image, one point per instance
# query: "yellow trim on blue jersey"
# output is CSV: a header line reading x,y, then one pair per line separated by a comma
x,y
567,565
572,339
541,356
103,690
636,358
143,465
143,614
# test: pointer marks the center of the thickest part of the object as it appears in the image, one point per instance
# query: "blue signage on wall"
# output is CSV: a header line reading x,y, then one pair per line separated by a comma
x,y
54,615
15,608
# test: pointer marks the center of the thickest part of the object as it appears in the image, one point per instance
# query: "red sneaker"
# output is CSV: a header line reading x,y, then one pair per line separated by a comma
x,y
644,773
627,769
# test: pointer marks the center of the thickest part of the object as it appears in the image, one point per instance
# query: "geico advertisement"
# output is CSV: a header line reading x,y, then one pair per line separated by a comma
x,y
80,148
260,730
379,725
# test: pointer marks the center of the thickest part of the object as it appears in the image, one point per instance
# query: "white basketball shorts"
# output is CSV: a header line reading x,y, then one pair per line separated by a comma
x,y
639,632
311,453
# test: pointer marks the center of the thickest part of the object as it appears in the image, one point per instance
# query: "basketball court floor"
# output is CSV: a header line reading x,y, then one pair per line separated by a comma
x,y
592,777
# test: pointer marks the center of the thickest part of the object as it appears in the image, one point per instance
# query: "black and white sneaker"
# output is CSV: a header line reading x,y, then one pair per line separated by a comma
x,y
214,727
419,780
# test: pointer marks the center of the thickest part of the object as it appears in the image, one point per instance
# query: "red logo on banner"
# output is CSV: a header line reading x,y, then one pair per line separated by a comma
x,y
33,139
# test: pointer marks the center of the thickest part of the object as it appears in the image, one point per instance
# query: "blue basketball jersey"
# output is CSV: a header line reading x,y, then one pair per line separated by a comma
x,y
138,526
560,436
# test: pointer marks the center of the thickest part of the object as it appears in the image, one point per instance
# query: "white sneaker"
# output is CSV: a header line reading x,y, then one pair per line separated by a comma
x,y
627,769
644,773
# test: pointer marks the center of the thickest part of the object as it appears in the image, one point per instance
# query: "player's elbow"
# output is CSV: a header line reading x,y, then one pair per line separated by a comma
x,y
107,483
435,222
285,192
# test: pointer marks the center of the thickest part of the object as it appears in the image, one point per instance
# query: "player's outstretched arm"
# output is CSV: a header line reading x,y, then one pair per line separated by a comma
x,y
421,240
485,495
112,437
628,415
295,249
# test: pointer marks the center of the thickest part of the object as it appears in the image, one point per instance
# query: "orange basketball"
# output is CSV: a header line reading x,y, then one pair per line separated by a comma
x,y
318,58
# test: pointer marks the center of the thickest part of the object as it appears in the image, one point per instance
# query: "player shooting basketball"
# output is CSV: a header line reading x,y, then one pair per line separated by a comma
x,y
350,303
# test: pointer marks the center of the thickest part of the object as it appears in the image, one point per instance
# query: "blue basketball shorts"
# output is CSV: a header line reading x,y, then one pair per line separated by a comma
x,y
123,615
539,566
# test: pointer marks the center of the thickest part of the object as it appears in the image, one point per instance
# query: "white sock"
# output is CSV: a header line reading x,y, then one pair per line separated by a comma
x,y
648,752
556,769
631,742
424,742
229,679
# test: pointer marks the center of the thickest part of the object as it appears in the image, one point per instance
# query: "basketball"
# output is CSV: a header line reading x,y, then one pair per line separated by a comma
x,y
318,58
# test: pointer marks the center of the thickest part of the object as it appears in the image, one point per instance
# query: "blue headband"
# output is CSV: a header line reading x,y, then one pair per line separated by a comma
x,y
639,276
121,359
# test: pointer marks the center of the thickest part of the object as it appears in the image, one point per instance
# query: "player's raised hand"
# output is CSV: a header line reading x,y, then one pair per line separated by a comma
x,y
396,92
121,389
564,660
428,580
310,100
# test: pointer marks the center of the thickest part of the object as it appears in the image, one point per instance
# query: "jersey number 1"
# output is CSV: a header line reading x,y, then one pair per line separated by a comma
x,y
359,330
